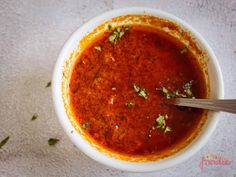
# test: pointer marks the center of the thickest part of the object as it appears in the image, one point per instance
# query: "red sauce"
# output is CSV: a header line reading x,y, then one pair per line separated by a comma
x,y
102,83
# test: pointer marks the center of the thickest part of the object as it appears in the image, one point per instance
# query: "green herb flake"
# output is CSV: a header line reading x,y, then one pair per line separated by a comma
x,y
161,123
160,120
184,50
177,94
136,88
121,34
109,27
53,141
4,141
98,48
48,84
117,29
117,34
112,38
85,125
129,104
167,129
188,89
166,92
127,28
186,93
34,117
141,91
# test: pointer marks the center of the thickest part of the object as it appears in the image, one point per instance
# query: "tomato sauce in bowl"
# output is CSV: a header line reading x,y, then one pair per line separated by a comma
x,y
119,85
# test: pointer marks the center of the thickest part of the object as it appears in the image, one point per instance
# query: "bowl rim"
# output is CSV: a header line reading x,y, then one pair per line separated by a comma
x,y
92,152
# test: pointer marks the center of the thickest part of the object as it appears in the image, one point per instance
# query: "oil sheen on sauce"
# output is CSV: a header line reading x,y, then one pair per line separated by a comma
x,y
105,103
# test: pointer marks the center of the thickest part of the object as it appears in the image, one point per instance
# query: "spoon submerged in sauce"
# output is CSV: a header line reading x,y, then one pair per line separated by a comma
x,y
210,104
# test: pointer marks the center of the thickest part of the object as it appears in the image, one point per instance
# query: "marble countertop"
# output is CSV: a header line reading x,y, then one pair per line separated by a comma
x,y
31,36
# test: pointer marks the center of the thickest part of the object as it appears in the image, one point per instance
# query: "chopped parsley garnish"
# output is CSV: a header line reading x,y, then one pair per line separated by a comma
x,y
117,34
186,93
127,28
129,104
141,91
188,89
4,141
48,84
167,129
98,48
166,92
112,38
136,88
85,125
52,141
109,27
184,50
34,117
161,123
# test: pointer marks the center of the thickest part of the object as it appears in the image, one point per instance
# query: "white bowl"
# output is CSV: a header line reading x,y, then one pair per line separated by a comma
x,y
216,91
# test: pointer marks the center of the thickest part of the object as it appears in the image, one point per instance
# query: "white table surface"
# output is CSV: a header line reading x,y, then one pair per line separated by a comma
x,y
32,33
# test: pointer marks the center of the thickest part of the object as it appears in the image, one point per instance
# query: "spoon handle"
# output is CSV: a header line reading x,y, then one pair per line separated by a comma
x,y
211,104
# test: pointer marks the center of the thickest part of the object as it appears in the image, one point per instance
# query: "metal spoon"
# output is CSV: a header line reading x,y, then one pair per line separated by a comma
x,y
211,104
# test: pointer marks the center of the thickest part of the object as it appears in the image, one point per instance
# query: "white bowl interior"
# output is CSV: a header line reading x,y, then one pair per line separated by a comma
x,y
216,91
